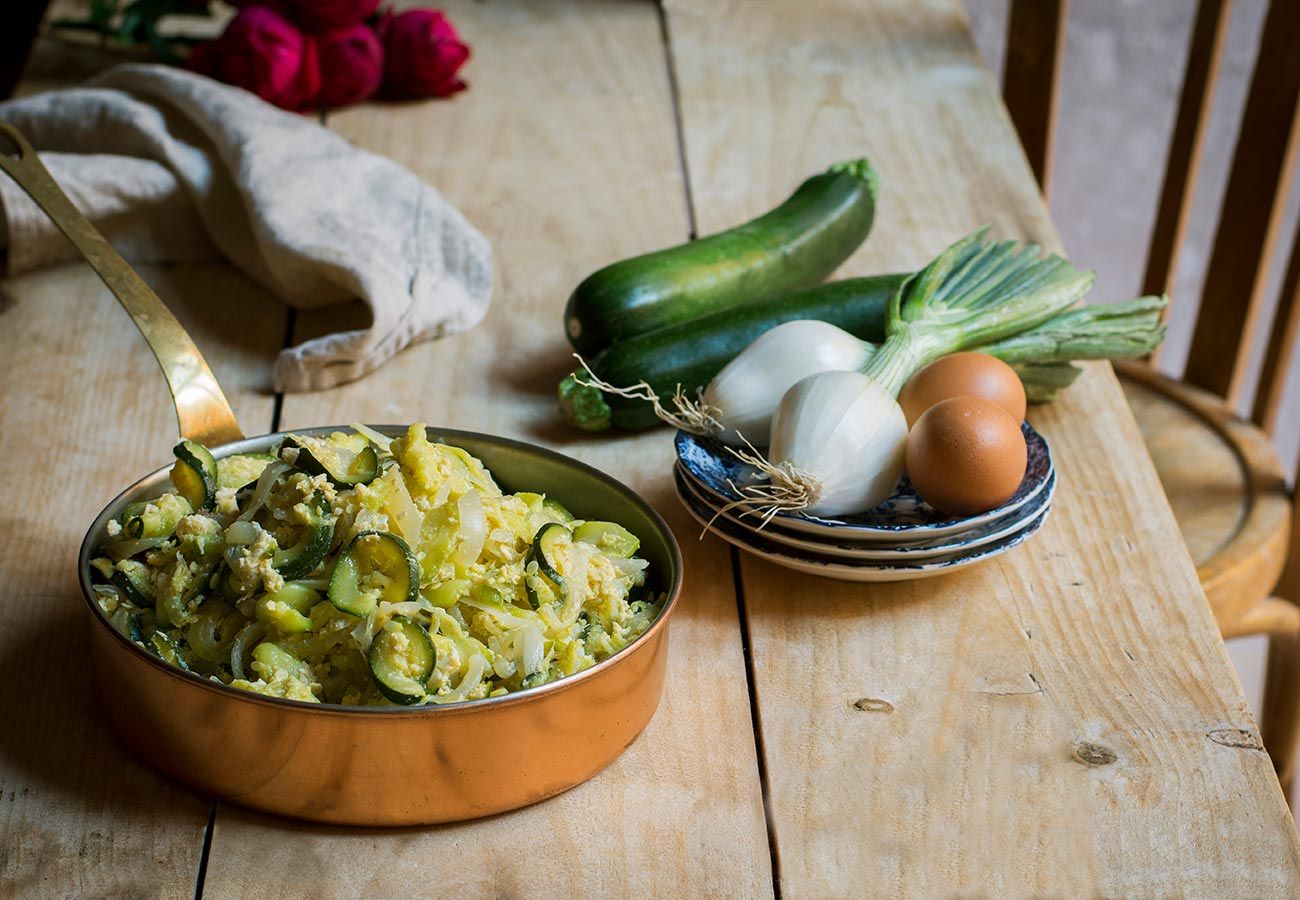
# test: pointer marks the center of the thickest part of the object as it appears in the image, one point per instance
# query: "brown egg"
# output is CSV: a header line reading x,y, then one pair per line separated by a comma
x,y
965,455
963,375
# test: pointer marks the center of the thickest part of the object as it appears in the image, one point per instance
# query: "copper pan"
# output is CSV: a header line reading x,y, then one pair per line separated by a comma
x,y
349,765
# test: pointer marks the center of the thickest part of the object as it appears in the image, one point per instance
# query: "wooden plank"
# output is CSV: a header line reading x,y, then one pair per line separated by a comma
x,y
83,412
1031,77
1062,721
1253,206
1182,164
564,152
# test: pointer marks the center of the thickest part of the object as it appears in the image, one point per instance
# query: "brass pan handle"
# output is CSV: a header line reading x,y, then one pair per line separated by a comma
x,y
202,411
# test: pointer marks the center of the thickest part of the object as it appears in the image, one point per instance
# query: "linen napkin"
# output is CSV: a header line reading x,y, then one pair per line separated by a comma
x,y
173,166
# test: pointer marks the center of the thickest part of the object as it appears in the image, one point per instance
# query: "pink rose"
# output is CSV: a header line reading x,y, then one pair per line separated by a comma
x,y
326,15
261,51
351,65
424,54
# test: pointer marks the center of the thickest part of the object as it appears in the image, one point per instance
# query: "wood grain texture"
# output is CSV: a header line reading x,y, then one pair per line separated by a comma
x,y
1035,42
1062,721
564,152
83,412
1253,203
1227,489
1182,164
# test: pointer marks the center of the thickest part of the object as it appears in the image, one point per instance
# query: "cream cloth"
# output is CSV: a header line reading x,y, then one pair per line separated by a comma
x,y
173,166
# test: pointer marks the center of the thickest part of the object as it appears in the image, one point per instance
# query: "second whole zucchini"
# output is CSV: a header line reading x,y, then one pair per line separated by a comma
x,y
795,245
691,353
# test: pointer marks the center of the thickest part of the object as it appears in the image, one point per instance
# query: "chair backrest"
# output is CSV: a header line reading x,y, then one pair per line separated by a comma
x,y
1234,296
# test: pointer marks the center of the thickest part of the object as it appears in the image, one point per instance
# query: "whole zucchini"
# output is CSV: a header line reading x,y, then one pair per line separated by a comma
x,y
795,245
691,353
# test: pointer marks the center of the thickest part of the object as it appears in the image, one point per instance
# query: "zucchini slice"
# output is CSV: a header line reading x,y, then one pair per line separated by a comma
x,y
131,577
286,610
540,589
165,648
557,510
127,623
242,469
376,565
344,466
195,474
401,660
612,539
125,549
317,535
157,518
550,551
180,592
448,594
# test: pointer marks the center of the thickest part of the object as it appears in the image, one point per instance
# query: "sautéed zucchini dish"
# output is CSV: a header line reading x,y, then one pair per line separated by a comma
x,y
360,569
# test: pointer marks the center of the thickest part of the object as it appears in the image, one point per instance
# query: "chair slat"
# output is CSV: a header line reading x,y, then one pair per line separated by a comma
x,y
1288,586
1035,41
1252,210
1282,342
1205,49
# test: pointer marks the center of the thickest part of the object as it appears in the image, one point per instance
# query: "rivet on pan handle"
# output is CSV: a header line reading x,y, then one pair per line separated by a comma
x,y
202,411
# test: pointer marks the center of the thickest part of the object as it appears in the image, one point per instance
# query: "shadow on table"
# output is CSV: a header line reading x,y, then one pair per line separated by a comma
x,y
56,743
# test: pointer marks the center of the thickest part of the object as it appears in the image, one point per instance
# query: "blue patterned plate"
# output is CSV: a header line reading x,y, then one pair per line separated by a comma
x,y
860,551
840,569
901,520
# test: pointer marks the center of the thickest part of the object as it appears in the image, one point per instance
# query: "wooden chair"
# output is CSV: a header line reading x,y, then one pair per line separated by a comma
x,y
1222,473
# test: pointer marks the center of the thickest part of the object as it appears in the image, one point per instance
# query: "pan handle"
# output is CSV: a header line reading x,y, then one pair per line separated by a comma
x,y
202,411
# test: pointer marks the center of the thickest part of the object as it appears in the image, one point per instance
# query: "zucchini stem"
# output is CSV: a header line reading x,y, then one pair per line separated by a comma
x,y
860,168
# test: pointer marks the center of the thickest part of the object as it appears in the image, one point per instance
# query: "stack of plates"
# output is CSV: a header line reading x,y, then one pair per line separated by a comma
x,y
902,538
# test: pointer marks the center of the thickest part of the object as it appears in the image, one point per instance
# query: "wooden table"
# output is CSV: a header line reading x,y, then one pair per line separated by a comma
x,y
1062,721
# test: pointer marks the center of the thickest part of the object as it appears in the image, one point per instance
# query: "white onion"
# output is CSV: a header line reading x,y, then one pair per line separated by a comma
x,y
845,436
503,665
408,608
402,511
532,649
241,532
471,680
473,528
744,395
500,612
576,583
444,491
262,490
628,567
382,441
364,632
